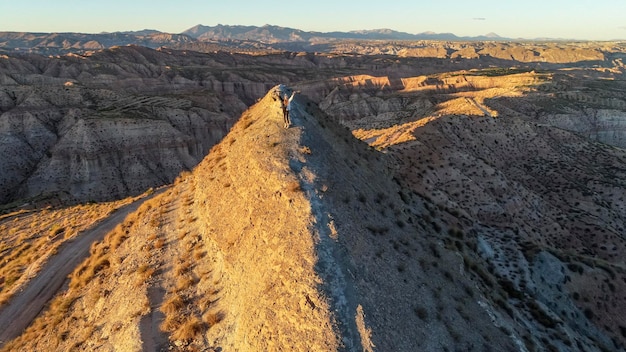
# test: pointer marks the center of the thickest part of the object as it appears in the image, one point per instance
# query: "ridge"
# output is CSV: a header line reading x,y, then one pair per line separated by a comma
x,y
291,239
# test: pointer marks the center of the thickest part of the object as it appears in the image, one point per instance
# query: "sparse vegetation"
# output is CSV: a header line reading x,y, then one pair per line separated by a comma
x,y
421,312
191,327
26,248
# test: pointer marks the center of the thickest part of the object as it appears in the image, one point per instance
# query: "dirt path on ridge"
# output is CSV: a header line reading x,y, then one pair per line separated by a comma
x,y
25,305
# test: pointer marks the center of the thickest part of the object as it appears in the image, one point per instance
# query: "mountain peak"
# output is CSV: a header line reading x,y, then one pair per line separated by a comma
x,y
492,35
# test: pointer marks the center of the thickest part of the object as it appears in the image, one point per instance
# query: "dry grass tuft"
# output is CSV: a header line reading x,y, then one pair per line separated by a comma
x,y
101,264
159,243
170,323
145,271
188,329
116,239
182,268
184,282
213,317
199,254
182,234
172,305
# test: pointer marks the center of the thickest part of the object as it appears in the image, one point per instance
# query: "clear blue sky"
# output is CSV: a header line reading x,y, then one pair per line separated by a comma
x,y
577,19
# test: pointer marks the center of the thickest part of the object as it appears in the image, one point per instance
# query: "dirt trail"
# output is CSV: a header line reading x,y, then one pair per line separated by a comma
x,y
24,307
152,336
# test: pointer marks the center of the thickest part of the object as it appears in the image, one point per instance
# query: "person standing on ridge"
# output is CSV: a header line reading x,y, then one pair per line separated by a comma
x,y
287,107
283,105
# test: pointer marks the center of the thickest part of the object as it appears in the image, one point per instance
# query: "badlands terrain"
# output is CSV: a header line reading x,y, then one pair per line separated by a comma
x,y
429,196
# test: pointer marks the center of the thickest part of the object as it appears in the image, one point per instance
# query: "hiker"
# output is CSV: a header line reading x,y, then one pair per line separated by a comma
x,y
283,104
287,107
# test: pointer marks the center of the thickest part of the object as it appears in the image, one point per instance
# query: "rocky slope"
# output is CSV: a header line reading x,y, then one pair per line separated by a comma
x,y
547,209
545,205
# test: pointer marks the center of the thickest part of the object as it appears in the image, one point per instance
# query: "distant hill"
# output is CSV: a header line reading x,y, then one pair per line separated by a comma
x,y
276,34
62,43
55,43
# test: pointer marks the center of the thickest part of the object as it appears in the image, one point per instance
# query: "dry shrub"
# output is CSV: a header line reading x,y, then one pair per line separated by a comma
x,y
88,269
182,268
212,318
145,271
116,239
77,276
199,254
184,282
62,304
170,323
205,302
188,329
100,264
182,234
159,243
172,305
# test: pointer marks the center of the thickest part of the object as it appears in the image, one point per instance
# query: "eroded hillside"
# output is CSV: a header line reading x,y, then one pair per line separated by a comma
x,y
292,239
545,205
111,123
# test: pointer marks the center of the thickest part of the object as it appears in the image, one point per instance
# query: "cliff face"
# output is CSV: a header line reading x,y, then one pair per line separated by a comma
x,y
108,125
604,125
69,144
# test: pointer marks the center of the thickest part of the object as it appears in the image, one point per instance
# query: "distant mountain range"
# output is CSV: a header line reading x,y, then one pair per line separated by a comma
x,y
55,43
276,34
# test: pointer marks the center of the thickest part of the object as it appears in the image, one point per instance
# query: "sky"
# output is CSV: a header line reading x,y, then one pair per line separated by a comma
x,y
531,19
